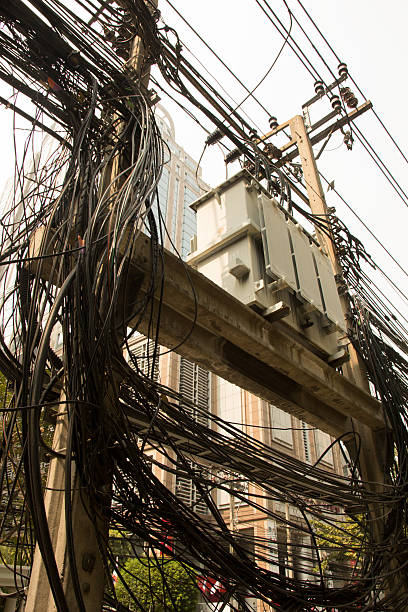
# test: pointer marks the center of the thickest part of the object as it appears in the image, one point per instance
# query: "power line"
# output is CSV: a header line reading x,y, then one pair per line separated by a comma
x,y
364,225
353,81
373,154
381,165
298,52
218,58
274,61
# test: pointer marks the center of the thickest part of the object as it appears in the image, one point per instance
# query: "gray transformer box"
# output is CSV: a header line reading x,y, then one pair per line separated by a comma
x,y
254,249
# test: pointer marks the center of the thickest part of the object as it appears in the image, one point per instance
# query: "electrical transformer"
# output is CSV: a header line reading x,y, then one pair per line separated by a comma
x,y
254,249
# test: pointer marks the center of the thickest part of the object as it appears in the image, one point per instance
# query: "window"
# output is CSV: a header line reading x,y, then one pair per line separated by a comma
x,y
163,188
306,442
143,355
189,226
322,442
174,149
231,486
191,164
162,199
191,181
58,342
229,405
188,492
282,552
175,212
281,423
194,386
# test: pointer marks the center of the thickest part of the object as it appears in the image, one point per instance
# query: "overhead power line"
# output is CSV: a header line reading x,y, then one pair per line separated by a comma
x,y
354,82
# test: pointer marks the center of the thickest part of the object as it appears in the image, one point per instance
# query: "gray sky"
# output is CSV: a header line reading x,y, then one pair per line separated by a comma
x,y
369,35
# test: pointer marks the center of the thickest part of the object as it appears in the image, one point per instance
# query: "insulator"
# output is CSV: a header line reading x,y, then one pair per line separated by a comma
x,y
348,97
335,102
343,70
253,135
232,156
348,140
319,87
271,151
273,123
214,137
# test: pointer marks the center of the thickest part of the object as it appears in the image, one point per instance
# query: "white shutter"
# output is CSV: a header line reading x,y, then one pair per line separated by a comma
x,y
194,386
187,491
322,442
143,352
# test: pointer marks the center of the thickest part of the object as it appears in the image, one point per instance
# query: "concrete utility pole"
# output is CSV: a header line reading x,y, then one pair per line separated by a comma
x,y
87,548
89,561
371,464
372,457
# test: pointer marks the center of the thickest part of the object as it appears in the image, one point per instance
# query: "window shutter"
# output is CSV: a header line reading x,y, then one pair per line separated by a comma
x,y
282,421
322,441
193,386
306,442
187,491
143,352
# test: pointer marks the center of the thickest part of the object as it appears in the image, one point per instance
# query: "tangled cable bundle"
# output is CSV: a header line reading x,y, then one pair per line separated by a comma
x,y
73,221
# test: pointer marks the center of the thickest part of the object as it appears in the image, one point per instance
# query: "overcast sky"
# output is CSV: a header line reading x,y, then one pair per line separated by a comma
x,y
369,35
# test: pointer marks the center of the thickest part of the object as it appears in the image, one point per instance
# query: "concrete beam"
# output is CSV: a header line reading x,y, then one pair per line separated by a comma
x,y
8,578
231,340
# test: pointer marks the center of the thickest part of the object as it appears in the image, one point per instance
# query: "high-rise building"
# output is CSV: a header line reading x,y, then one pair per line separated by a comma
x,y
291,554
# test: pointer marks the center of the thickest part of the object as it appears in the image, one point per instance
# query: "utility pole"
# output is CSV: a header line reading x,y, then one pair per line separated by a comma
x,y
89,561
373,455
90,574
290,563
372,468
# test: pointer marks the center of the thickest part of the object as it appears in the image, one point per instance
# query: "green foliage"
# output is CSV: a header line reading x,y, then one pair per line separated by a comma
x,y
12,550
340,542
161,586
5,395
122,545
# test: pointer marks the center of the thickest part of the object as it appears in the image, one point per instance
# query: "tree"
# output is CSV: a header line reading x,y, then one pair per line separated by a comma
x,y
341,544
160,586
